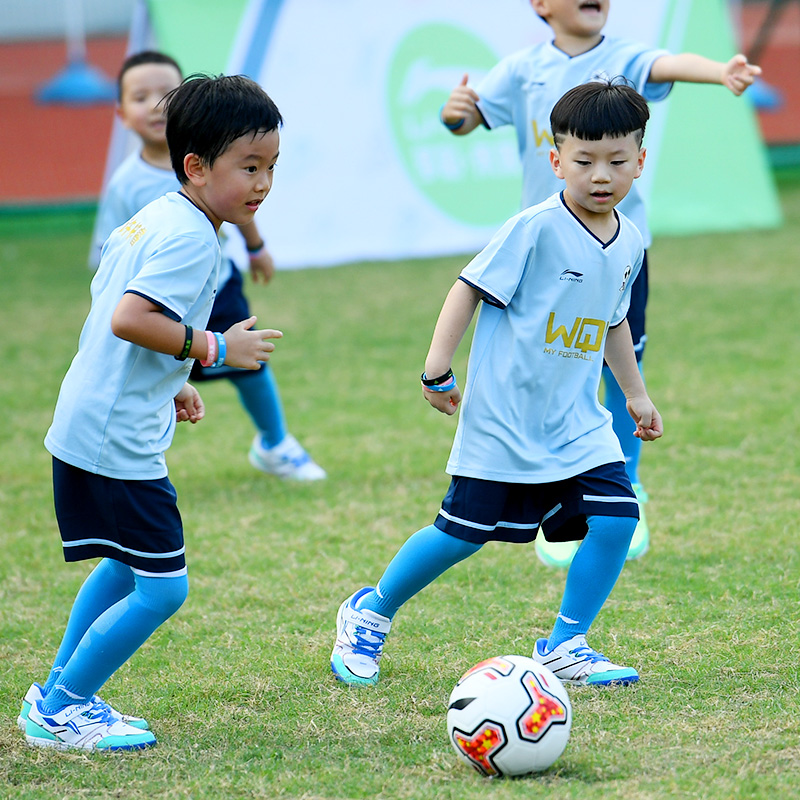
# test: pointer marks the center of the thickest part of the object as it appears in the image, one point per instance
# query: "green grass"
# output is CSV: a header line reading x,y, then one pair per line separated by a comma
x,y
237,685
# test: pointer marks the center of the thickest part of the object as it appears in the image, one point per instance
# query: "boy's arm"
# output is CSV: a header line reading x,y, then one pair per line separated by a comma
x,y
454,318
141,322
460,113
736,75
262,266
621,359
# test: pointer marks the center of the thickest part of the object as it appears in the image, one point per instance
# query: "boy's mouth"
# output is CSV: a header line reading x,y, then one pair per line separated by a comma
x,y
590,5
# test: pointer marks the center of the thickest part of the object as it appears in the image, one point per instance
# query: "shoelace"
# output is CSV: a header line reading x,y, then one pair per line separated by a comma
x,y
585,653
366,647
102,711
296,456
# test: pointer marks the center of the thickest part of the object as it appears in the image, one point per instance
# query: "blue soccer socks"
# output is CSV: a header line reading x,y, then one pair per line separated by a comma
x,y
423,558
258,392
112,638
592,575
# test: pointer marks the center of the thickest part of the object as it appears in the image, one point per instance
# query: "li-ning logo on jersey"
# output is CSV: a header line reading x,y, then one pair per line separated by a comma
x,y
571,275
627,275
584,336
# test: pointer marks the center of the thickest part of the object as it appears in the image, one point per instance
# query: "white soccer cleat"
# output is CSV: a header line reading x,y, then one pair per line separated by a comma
x,y
575,662
287,460
83,726
359,642
34,693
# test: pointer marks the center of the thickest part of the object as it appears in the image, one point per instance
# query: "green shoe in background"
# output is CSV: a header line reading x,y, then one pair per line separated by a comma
x,y
641,536
555,554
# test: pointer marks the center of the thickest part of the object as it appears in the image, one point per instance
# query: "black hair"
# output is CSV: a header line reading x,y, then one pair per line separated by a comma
x,y
597,109
144,57
205,115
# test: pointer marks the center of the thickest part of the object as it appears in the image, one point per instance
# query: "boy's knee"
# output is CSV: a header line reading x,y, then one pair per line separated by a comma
x,y
164,595
619,529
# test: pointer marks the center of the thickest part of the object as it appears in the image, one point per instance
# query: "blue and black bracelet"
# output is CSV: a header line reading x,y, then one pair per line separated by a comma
x,y
444,383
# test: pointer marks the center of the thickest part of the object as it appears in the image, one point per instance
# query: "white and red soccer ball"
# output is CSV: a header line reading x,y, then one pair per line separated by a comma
x,y
509,716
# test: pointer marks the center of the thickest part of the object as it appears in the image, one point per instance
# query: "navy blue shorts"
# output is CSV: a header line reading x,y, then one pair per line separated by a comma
x,y
135,522
636,312
489,511
230,306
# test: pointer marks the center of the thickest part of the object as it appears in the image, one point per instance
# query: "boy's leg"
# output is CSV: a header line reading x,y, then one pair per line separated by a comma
x,y
364,618
105,585
423,558
259,395
624,428
274,449
591,577
70,716
113,637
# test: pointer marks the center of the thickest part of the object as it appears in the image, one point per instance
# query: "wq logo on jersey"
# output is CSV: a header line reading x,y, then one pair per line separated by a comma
x,y
584,335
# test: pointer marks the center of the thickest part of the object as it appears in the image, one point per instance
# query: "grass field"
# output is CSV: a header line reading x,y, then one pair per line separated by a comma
x,y
237,685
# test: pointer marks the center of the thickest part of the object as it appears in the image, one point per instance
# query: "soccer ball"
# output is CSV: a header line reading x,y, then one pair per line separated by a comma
x,y
509,716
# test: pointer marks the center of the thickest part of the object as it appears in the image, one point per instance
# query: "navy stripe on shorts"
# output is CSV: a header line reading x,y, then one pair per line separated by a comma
x,y
490,511
136,522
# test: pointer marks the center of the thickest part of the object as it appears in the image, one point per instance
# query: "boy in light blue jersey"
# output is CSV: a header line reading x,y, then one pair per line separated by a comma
x,y
123,394
143,176
522,89
535,452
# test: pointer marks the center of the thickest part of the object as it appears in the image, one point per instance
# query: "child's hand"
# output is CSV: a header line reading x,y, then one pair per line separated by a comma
x,y
461,103
737,74
262,267
246,348
647,419
446,402
188,405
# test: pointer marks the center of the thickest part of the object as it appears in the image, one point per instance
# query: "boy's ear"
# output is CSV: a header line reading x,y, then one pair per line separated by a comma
x,y
118,112
540,8
555,162
642,156
195,169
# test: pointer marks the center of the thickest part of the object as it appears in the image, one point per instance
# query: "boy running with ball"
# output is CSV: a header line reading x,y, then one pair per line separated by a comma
x,y
535,452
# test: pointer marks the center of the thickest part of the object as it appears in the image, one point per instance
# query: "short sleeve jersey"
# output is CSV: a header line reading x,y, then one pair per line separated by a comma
x,y
522,89
134,184
551,291
115,414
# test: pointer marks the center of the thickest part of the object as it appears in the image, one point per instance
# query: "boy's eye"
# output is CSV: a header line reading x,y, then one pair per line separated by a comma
x,y
582,163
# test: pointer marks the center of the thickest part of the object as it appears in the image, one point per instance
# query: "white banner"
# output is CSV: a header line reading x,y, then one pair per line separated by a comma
x,y
366,169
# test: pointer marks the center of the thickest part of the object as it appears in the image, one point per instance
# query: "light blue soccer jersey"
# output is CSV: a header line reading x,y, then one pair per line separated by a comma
x,y
134,184
551,291
522,89
115,414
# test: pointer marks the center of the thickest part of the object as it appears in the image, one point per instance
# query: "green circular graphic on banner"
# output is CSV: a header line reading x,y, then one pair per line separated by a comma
x,y
475,179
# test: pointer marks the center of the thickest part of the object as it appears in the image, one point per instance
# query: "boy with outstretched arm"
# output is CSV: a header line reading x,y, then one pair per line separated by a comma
x,y
534,452
521,90
123,394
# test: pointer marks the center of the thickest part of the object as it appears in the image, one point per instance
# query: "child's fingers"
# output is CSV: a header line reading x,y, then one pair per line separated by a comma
x,y
268,333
